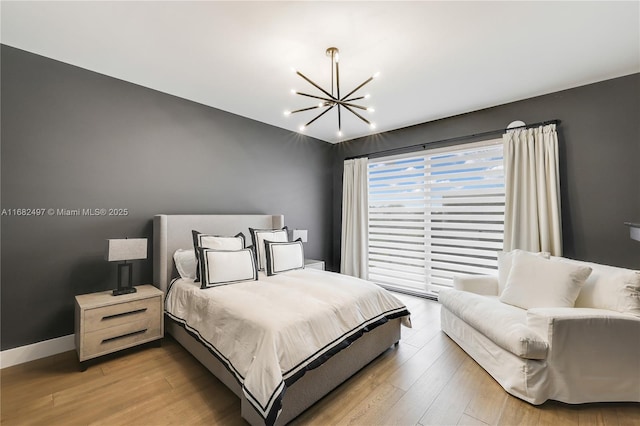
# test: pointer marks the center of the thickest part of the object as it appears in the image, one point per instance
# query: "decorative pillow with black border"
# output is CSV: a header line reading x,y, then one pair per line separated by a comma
x,y
223,267
282,257
258,236
217,242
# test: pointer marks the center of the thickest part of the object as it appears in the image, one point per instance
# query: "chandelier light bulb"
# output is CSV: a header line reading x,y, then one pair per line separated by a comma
x,y
372,126
367,96
339,133
301,128
294,92
376,75
287,113
371,110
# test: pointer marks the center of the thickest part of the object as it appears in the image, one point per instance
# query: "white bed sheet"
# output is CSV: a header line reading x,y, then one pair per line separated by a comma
x,y
269,332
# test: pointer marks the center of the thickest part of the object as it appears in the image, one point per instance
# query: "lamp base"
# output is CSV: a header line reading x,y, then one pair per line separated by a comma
x,y
125,278
121,291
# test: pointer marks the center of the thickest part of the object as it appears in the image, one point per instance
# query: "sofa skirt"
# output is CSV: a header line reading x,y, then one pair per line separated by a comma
x,y
526,379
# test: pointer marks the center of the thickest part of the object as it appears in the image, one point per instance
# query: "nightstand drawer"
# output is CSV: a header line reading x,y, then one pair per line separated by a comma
x,y
121,313
123,336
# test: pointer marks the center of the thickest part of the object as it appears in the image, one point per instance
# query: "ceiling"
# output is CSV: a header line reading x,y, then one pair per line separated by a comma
x,y
436,59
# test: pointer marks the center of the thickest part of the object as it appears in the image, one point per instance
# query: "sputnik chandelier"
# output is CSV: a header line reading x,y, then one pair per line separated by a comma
x,y
334,99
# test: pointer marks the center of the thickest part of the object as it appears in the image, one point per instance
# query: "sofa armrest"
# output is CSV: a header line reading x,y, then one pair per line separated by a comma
x,y
486,285
590,350
547,322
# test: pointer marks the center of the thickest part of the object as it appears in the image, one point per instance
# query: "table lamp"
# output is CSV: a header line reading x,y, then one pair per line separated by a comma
x,y
294,234
123,250
634,230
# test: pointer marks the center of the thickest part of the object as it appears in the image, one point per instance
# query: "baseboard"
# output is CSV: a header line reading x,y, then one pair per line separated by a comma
x,y
35,351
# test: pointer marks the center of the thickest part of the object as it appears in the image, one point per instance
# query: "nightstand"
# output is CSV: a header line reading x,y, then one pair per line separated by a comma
x,y
314,264
107,323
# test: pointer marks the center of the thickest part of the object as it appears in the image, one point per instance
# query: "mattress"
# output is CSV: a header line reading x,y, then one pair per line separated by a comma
x,y
269,332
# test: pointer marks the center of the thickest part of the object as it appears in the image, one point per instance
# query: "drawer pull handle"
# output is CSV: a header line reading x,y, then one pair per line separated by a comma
x,y
111,339
123,314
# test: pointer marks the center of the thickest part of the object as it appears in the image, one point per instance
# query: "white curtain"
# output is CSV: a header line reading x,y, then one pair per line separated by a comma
x,y
355,221
532,219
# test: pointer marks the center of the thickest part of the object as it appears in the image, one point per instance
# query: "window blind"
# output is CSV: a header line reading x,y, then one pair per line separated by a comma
x,y
435,214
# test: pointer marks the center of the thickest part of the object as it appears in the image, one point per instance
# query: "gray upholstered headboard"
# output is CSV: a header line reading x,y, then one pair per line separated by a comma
x,y
173,232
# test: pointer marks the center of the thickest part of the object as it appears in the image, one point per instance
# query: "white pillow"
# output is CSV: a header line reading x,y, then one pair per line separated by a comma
x,y
217,242
609,287
619,291
186,264
258,237
535,282
282,257
505,260
221,267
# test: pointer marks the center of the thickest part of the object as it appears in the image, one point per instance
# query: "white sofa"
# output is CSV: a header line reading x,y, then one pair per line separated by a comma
x,y
586,352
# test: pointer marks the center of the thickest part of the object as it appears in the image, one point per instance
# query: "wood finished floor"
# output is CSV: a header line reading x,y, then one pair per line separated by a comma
x,y
426,380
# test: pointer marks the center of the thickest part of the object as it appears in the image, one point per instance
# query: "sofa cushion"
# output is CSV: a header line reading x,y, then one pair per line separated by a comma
x,y
504,324
505,261
535,282
609,287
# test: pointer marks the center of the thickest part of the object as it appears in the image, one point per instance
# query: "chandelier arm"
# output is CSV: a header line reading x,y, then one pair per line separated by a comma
x,y
352,105
315,85
339,120
305,109
354,99
332,76
332,100
320,115
357,88
337,81
357,115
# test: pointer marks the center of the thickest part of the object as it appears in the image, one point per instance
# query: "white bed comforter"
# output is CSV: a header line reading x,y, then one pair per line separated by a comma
x,y
269,332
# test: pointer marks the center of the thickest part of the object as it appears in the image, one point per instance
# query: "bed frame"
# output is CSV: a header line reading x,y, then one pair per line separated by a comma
x,y
171,232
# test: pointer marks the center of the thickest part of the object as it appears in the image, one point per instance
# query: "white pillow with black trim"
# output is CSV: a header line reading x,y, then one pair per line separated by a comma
x,y
186,263
282,257
222,267
217,242
258,237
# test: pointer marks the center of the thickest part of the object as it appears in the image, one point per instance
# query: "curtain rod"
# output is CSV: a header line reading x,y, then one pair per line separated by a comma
x,y
411,148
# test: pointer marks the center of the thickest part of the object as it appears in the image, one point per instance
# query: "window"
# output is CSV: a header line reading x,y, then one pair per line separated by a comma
x,y
435,214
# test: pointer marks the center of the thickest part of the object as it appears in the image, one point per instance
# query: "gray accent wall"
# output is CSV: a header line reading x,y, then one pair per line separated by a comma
x,y
75,139
599,137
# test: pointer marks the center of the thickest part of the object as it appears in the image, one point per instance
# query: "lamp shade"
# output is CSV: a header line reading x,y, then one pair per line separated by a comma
x,y
634,230
126,249
294,234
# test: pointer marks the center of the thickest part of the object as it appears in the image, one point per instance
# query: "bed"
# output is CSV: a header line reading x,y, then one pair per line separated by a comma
x,y
304,386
